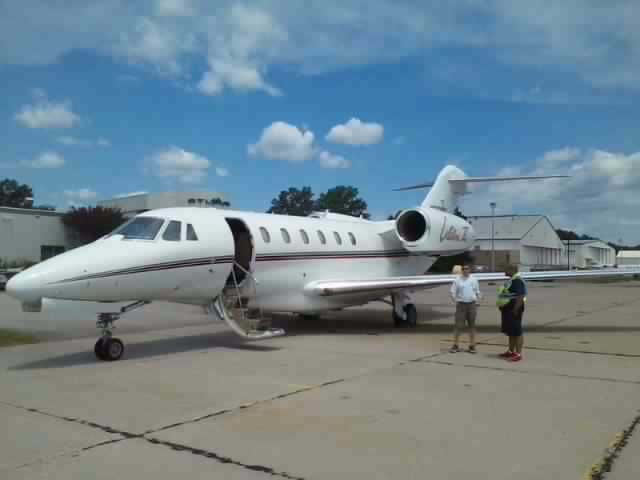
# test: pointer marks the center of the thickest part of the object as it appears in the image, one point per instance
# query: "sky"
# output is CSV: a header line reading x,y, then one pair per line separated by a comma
x,y
107,98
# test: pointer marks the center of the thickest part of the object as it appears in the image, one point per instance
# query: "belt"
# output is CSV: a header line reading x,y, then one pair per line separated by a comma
x,y
467,303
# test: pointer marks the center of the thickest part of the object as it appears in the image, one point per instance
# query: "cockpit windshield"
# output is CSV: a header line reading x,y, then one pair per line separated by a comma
x,y
140,228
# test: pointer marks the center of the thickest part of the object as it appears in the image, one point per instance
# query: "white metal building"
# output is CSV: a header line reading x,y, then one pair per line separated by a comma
x,y
530,241
589,253
135,204
628,257
32,235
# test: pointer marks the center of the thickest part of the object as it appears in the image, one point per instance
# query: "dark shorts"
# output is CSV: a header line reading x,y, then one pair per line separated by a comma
x,y
511,322
466,314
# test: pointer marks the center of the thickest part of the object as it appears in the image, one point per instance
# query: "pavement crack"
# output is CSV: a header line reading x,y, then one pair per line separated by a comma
x,y
531,372
220,458
244,406
586,352
599,469
104,428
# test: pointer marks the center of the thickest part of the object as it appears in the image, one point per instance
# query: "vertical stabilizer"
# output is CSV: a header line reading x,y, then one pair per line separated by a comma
x,y
444,195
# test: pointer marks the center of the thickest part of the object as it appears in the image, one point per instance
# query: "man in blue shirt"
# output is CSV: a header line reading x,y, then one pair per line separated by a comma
x,y
511,300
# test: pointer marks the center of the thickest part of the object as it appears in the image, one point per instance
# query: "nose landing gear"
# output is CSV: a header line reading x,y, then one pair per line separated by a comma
x,y
107,347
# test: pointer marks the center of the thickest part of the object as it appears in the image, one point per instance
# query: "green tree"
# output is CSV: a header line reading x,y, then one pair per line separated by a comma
x,y
12,194
343,199
92,223
293,202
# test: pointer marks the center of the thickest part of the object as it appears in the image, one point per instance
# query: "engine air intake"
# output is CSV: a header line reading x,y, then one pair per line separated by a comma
x,y
411,226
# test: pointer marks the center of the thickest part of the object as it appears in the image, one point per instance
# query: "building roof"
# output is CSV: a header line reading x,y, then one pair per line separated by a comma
x,y
628,254
29,211
152,201
506,227
592,243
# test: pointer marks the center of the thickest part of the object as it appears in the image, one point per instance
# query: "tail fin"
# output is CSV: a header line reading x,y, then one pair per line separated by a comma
x,y
452,183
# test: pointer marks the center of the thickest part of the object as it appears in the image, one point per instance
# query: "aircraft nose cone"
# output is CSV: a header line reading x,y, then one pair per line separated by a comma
x,y
23,288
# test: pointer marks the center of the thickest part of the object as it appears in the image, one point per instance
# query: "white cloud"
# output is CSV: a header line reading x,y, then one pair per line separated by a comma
x,y
45,114
174,8
188,167
558,157
597,46
235,76
222,172
600,193
282,141
79,197
356,132
328,160
45,160
80,142
151,43
240,44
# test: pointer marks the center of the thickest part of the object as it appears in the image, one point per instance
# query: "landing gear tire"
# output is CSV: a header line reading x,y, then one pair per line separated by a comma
x,y
98,349
411,319
412,315
112,349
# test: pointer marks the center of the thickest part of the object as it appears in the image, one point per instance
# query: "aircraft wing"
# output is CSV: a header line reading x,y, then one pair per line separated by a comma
x,y
325,288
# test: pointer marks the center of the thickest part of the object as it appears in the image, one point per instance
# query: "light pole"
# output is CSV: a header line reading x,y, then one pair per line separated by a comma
x,y
493,249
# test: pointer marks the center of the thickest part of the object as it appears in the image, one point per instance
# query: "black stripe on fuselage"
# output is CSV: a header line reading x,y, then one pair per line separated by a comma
x,y
229,259
195,262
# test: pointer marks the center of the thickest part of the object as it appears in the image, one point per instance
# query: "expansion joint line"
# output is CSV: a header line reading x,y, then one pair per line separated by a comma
x,y
603,466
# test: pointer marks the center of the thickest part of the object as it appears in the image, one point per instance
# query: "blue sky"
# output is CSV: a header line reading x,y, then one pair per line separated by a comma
x,y
250,98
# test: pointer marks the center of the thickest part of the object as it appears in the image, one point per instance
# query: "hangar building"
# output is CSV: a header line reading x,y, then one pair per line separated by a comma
x,y
530,241
134,204
628,257
30,235
590,253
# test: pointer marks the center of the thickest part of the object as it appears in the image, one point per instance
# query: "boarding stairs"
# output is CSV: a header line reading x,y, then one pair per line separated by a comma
x,y
232,306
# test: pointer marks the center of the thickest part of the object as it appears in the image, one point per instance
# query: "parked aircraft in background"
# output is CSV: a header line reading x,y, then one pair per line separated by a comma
x,y
243,264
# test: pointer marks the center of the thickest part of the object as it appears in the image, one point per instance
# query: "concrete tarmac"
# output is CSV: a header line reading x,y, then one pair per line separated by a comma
x,y
346,396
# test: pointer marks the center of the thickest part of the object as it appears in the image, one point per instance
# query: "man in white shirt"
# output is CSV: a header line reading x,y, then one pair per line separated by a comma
x,y
465,292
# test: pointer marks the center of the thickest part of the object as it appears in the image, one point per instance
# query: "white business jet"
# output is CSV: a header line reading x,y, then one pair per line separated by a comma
x,y
242,265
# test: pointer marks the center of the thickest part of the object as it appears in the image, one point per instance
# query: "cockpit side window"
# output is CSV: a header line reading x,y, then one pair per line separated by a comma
x,y
172,232
191,233
140,228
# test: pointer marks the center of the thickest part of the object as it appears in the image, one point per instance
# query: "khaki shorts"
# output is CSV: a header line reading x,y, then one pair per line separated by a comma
x,y
466,313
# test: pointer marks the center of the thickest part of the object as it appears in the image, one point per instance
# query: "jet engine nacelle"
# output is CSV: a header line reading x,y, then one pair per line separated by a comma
x,y
432,230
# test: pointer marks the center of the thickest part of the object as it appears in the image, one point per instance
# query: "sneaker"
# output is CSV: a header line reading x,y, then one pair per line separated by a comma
x,y
472,349
507,354
516,357
454,349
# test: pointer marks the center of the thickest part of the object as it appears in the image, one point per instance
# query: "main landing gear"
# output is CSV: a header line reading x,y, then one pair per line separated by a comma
x,y
107,347
404,312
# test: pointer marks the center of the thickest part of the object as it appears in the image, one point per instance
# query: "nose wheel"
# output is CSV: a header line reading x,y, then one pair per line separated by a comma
x,y
109,348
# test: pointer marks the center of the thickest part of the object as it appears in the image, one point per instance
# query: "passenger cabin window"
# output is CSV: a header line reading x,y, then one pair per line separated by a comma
x,y
191,233
305,237
353,238
265,235
140,228
172,232
338,239
285,235
322,238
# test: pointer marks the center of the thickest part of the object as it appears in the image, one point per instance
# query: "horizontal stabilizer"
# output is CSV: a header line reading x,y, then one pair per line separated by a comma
x,y
465,180
503,179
